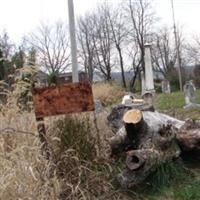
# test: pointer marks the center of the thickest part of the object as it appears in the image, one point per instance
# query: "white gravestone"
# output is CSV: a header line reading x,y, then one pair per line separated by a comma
x,y
190,97
165,87
143,83
149,83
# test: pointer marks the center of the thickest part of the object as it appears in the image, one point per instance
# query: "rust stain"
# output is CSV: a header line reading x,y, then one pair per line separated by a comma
x,y
63,99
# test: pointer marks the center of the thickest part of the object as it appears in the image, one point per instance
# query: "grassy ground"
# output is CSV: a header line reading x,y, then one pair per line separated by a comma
x,y
183,189
173,104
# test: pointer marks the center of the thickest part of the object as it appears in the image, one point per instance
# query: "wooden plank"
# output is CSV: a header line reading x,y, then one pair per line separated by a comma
x,y
63,99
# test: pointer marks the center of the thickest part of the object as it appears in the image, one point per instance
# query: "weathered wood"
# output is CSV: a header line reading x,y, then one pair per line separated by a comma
x,y
152,123
134,125
189,136
63,99
159,137
115,117
135,159
155,148
141,163
42,136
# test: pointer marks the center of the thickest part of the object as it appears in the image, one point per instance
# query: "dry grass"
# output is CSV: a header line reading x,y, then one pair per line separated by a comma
x,y
26,174
108,93
23,170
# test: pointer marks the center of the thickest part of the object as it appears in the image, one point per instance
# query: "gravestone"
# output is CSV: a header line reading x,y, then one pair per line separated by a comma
x,y
147,77
149,82
143,83
190,97
166,87
148,98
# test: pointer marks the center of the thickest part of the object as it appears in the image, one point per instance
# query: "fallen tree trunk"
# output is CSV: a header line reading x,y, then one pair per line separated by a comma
x,y
140,164
189,136
150,139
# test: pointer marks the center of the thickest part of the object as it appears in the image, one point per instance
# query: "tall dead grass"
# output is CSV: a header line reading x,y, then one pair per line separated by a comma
x,y
70,173
26,174
108,93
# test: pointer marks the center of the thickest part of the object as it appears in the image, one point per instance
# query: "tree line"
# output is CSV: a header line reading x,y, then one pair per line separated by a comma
x,y
109,38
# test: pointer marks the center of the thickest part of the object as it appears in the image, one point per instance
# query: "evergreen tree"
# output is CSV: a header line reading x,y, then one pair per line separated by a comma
x,y
32,57
18,59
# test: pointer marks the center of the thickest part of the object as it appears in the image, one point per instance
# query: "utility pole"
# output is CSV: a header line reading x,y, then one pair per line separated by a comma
x,y
177,48
72,31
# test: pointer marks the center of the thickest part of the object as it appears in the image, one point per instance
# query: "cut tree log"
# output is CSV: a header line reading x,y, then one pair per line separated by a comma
x,y
150,139
141,163
118,111
135,126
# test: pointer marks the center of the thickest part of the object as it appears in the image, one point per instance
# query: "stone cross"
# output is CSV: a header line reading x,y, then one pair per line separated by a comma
x,y
165,87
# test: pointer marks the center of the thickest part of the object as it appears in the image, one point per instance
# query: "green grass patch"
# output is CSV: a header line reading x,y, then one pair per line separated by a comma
x,y
165,177
173,104
191,191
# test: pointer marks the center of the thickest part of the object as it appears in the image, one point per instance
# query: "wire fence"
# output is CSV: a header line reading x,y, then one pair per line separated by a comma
x,y
13,131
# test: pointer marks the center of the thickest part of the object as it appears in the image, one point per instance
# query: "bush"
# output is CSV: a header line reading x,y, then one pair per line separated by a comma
x,y
158,87
52,79
197,75
172,76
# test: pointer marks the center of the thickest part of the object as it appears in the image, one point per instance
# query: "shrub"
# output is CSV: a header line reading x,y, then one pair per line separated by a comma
x,y
172,76
197,75
52,79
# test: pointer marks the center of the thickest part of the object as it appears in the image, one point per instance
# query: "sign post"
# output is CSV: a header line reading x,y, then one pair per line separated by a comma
x,y
57,100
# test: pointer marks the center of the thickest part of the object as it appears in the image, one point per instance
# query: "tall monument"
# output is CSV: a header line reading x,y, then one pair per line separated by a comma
x,y
149,84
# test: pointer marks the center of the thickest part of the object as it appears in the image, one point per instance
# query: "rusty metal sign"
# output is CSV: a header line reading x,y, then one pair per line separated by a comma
x,y
63,99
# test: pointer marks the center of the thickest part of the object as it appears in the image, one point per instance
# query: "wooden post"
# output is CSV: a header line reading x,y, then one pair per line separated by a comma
x,y
42,136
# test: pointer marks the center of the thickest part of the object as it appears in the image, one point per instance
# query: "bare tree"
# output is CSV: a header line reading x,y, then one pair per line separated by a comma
x,y
119,34
86,42
95,42
193,50
163,51
142,18
102,42
135,66
52,46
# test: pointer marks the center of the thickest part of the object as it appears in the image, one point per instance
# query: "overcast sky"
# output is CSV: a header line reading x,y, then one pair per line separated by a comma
x,y
19,17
